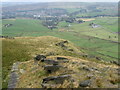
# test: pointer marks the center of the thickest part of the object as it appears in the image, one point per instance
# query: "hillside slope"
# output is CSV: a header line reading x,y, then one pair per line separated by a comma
x,y
65,65
25,48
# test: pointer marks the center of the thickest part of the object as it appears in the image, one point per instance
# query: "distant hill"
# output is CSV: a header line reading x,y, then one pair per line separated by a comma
x,y
36,6
8,4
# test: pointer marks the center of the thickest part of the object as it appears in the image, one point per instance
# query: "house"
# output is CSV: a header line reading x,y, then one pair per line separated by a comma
x,y
94,25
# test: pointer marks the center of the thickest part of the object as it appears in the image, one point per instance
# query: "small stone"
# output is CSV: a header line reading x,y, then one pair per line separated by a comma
x,y
87,68
74,62
85,83
40,57
62,58
90,76
22,71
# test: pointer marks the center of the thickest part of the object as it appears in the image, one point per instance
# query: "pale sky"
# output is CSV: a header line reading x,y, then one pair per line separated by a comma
x,y
59,0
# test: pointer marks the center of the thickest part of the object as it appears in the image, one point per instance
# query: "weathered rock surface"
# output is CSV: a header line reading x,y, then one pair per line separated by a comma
x,y
115,62
13,80
13,76
62,58
52,68
45,85
56,79
85,83
62,44
49,61
40,57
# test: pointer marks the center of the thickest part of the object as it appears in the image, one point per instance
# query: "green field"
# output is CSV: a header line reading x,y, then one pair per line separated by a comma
x,y
108,28
22,27
95,41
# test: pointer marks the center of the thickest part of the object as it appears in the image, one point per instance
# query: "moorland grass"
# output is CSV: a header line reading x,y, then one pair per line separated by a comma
x,y
26,48
12,51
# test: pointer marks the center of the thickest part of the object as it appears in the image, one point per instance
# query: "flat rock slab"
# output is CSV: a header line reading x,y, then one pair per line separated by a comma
x,y
52,68
13,80
13,76
62,58
56,79
49,61
44,85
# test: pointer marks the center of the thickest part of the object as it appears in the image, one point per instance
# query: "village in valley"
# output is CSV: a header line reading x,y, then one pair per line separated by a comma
x,y
60,45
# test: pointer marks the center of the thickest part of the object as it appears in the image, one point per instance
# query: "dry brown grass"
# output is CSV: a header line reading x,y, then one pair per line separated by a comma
x,y
46,45
86,19
33,78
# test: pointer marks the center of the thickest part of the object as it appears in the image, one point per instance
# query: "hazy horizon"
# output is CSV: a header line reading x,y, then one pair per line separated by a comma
x,y
60,1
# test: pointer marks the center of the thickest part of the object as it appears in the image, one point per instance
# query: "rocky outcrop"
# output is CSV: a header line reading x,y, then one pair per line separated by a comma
x,y
52,72
62,44
52,66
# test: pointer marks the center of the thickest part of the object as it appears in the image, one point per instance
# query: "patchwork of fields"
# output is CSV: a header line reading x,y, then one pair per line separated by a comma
x,y
101,41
